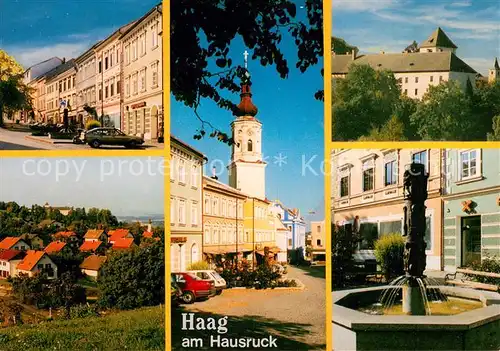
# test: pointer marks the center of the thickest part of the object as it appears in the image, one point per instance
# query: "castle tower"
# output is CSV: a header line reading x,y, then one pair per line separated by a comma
x,y
437,42
494,73
247,168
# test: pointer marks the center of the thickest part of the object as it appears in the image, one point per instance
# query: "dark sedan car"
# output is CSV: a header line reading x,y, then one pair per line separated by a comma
x,y
110,136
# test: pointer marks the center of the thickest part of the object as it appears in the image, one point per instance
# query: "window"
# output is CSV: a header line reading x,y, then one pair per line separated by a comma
x,y
368,175
134,83
391,227
182,172
127,86
143,79
469,164
406,79
100,66
431,78
194,213
118,87
207,204
250,145
420,157
143,44
416,79
215,238
344,186
100,93
111,59
223,237
154,36
106,62
416,92
172,210
154,69
390,173
207,236
60,87
182,212
318,242
406,91
106,90
127,54
194,176
215,205
112,87
134,50
440,79
289,242
223,214
427,237
64,85
368,234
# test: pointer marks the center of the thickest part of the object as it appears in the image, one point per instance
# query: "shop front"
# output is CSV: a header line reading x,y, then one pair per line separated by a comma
x,y
144,118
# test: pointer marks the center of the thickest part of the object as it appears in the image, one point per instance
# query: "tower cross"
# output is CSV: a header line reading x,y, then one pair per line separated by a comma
x,y
245,55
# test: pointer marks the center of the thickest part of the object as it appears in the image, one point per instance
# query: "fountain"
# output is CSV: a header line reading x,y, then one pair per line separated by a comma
x,y
437,317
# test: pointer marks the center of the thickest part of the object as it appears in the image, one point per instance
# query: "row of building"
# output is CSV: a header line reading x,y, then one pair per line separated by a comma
x,y
434,61
463,205
120,76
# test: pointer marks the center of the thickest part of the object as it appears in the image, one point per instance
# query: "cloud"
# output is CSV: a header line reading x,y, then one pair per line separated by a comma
x,y
482,65
363,5
465,3
28,56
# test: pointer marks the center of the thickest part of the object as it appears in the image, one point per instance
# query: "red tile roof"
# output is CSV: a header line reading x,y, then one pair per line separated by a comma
x,y
7,255
147,234
30,260
55,246
90,245
116,234
123,243
93,233
8,242
93,262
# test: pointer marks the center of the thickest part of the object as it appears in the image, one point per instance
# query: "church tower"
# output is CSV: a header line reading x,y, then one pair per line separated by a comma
x,y
247,170
494,73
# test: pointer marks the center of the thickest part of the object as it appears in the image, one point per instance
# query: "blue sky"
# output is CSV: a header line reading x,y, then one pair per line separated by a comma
x,y
391,25
127,186
292,119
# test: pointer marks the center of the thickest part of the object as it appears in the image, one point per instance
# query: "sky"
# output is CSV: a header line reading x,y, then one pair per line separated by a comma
x,y
392,25
292,119
128,186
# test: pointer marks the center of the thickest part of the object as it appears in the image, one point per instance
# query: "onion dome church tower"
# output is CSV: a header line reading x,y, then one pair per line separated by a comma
x,y
247,168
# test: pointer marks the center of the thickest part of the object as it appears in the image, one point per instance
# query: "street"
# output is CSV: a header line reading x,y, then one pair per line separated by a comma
x,y
295,317
10,140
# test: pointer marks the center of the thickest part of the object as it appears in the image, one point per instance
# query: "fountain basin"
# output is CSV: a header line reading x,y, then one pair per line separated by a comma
x,y
478,329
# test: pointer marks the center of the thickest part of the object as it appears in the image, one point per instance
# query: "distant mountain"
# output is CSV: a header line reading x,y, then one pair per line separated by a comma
x,y
341,47
155,218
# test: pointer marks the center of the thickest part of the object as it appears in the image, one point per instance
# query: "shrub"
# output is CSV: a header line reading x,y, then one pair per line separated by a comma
x,y
92,124
199,266
288,283
389,250
84,310
265,277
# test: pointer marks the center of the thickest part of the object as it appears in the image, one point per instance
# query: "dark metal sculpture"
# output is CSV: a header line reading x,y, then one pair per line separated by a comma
x,y
415,194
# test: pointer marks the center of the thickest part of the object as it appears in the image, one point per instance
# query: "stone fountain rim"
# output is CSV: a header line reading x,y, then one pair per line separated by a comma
x,y
357,320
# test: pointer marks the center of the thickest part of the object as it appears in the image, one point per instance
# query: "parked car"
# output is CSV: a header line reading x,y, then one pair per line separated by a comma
x,y
110,136
220,283
193,288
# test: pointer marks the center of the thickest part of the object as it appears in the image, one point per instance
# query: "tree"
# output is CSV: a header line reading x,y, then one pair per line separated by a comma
x,y
133,279
413,47
341,47
445,113
344,244
9,67
392,130
201,33
365,99
495,136
68,292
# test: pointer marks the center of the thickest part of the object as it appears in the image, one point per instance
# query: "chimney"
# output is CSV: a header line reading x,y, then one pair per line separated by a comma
x,y
353,54
64,60
214,176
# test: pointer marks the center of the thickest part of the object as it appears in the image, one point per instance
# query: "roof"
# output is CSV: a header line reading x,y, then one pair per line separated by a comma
x,y
93,262
8,242
179,142
496,64
120,31
123,243
30,260
55,246
438,38
219,185
7,255
117,234
46,222
63,67
404,62
93,233
157,7
65,234
39,63
85,54
147,234
90,245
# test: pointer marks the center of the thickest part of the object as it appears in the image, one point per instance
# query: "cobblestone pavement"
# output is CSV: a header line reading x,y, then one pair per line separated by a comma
x,y
296,316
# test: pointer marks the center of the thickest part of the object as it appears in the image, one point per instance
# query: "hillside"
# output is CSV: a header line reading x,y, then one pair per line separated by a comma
x,y
141,329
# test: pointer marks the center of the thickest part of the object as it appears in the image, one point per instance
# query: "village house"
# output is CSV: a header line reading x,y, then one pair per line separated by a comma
x,y
92,264
96,235
55,247
123,244
15,243
114,235
37,262
9,259
92,246
33,240
65,236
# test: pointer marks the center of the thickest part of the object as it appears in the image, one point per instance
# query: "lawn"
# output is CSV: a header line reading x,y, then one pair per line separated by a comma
x,y
141,329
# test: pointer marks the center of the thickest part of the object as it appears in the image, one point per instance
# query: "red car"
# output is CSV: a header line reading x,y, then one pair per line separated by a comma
x,y
193,288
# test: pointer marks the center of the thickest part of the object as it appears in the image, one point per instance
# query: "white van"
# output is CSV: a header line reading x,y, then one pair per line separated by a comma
x,y
220,283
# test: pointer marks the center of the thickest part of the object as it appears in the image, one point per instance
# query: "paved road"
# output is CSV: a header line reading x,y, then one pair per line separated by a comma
x,y
296,317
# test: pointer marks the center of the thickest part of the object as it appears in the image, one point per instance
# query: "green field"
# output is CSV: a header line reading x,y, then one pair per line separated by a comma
x,y
141,329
